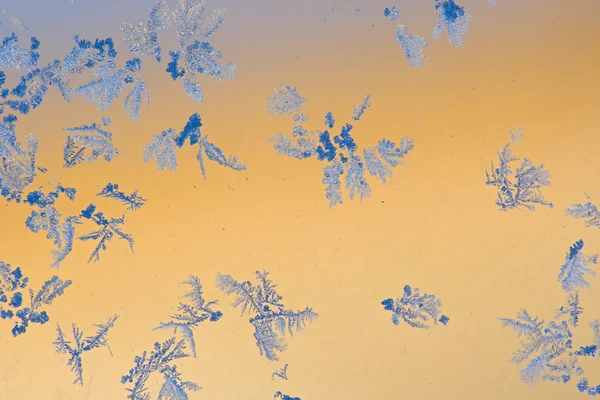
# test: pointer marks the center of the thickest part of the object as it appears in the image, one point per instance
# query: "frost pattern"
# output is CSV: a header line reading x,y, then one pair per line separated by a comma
x,y
393,14
104,91
340,156
279,395
585,211
454,19
162,148
18,167
573,272
142,38
12,281
192,313
108,229
281,373
416,310
268,314
81,345
48,219
572,309
159,360
89,148
524,190
132,201
413,46
285,101
12,55
359,110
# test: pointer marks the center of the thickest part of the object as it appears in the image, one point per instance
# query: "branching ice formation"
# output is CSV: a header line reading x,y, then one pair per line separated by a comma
x,y
281,373
133,201
415,310
269,317
81,345
573,272
454,19
340,154
162,148
89,148
12,281
585,211
159,360
524,190
191,314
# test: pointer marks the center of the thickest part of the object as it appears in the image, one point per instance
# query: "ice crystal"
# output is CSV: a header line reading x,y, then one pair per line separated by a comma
x,y
108,229
162,148
285,101
133,201
191,313
454,19
281,373
11,281
48,219
18,166
413,46
573,272
104,91
159,360
81,345
572,309
416,310
89,148
524,190
360,109
393,14
197,55
142,38
279,395
98,56
341,156
268,314
12,55
585,211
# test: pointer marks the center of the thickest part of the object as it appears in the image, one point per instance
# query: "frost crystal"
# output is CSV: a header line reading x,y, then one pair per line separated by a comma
x,y
282,396
340,155
159,360
281,373
268,314
360,109
18,167
413,46
454,19
573,272
82,345
285,101
108,229
48,219
142,39
162,148
192,313
98,56
585,211
133,201
89,148
104,91
11,281
522,191
393,14
572,309
12,55
415,309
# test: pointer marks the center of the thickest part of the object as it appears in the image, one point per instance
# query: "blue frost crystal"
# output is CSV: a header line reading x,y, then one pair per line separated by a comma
x,y
416,310
454,19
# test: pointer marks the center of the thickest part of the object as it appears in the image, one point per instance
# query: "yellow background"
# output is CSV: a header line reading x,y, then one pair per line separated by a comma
x,y
435,226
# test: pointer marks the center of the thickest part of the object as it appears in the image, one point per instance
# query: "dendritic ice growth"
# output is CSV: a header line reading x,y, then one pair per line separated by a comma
x,y
416,310
521,188
132,201
454,19
340,154
160,360
82,148
587,211
162,148
281,396
286,101
81,345
12,282
269,317
192,313
280,373
573,273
